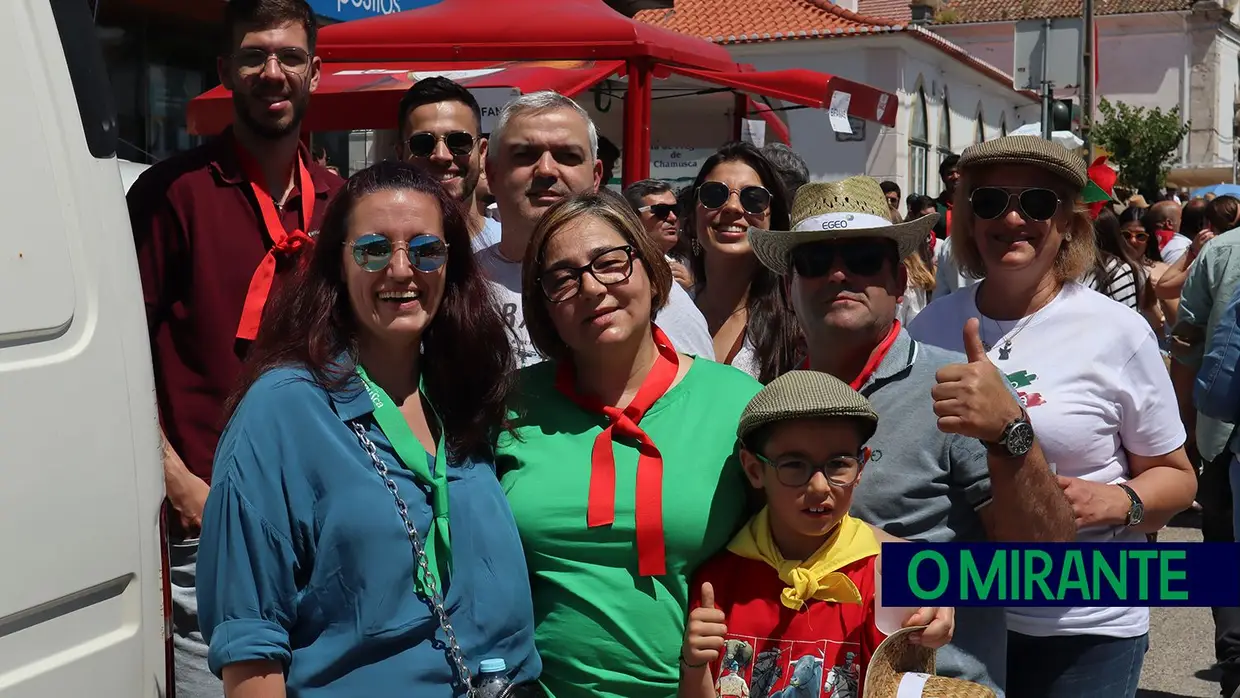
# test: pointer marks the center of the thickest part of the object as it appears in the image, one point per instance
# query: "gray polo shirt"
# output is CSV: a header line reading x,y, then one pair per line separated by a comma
x,y
924,485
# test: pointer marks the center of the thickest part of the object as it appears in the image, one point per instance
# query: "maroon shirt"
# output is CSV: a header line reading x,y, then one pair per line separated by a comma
x,y
199,237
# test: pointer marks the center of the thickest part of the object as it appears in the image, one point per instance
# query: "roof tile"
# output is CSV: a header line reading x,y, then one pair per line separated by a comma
x,y
971,11
760,21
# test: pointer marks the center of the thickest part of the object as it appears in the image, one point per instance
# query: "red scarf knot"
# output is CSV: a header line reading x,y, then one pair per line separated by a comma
x,y
648,507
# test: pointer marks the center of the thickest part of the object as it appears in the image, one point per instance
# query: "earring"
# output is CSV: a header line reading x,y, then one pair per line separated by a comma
x,y
1067,237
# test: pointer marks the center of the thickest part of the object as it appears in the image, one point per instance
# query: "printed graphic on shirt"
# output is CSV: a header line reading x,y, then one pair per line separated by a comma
x,y
1024,379
759,667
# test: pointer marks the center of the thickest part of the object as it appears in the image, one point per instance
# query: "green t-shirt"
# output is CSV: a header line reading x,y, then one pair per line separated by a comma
x,y
600,628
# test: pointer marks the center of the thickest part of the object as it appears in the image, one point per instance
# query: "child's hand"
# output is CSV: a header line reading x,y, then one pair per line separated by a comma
x,y
705,632
941,624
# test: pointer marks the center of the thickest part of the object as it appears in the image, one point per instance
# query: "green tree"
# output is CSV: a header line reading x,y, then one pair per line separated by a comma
x,y
1143,142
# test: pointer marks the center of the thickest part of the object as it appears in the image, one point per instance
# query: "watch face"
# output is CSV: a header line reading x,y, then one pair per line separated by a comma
x,y
1020,438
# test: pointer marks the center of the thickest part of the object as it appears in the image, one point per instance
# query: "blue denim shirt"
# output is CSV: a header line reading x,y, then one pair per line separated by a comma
x,y
1216,392
304,559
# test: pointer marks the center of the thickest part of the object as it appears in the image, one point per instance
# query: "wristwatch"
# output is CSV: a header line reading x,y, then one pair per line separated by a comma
x,y
1017,437
1136,511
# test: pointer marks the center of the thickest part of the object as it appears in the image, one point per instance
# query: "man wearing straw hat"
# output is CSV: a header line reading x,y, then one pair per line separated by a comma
x,y
955,457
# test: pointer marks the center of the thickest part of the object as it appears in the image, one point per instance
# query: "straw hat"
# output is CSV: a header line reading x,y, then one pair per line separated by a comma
x,y
1027,150
850,208
899,669
798,394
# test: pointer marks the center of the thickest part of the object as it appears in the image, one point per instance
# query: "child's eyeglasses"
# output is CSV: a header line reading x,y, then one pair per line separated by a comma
x,y
793,471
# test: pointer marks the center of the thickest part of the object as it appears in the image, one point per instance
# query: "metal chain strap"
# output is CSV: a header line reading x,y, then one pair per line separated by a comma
x,y
419,551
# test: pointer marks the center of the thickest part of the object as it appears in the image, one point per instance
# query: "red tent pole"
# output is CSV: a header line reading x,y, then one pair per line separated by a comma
x,y
637,122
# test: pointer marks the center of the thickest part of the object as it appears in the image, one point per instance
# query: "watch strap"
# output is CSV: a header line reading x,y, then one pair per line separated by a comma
x,y
1134,503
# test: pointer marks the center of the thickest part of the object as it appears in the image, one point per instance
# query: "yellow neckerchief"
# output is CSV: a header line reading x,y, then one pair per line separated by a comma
x,y
815,578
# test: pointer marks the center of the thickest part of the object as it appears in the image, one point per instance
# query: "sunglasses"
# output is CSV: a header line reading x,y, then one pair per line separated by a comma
x,y
754,200
374,252
422,144
794,471
814,260
608,267
1138,237
251,61
659,211
1036,203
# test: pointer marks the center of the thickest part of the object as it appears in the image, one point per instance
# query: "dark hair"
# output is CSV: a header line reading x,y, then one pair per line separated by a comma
x,y
318,151
1111,246
772,326
635,192
916,204
949,163
467,361
1193,218
606,149
790,166
1223,213
889,187
434,90
267,14
609,208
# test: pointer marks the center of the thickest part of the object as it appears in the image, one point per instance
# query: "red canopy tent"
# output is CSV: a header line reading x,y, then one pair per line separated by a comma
x,y
564,45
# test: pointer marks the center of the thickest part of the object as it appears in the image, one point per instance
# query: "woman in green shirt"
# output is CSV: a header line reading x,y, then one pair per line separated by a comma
x,y
621,469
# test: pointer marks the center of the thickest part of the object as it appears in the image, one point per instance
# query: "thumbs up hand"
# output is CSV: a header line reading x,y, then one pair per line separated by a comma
x,y
705,632
974,398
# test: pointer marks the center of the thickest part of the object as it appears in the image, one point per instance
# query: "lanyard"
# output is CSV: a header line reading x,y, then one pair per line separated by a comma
x,y
410,453
876,357
283,243
648,507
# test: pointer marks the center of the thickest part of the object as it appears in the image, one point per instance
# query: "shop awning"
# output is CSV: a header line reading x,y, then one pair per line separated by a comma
x,y
807,88
354,96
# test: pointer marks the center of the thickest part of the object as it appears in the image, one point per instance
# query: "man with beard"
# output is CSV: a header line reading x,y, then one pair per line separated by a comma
x,y
544,148
214,229
954,457
440,129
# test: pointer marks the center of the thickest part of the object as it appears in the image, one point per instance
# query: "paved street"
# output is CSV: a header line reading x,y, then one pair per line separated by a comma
x,y
1181,641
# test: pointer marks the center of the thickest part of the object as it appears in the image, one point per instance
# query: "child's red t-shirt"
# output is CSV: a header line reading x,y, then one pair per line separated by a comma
x,y
821,651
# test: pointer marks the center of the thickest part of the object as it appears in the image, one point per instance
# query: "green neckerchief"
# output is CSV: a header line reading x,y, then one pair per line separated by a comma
x,y
410,453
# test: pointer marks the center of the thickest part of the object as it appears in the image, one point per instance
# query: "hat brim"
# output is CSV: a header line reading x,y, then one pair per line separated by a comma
x,y
773,246
893,656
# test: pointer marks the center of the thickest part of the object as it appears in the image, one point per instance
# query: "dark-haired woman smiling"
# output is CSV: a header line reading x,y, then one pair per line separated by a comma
x,y
372,396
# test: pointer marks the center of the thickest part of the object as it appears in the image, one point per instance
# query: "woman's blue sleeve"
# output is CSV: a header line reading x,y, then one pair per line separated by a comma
x,y
247,562
1216,391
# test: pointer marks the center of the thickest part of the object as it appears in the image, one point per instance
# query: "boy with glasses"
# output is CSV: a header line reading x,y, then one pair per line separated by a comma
x,y
795,589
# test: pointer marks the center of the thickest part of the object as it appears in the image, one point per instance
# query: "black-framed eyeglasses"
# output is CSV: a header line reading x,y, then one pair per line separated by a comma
x,y
754,200
841,472
251,61
374,252
422,144
608,267
863,257
659,211
1035,203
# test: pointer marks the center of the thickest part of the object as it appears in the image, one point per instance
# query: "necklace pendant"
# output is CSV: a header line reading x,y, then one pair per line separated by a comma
x,y
1005,351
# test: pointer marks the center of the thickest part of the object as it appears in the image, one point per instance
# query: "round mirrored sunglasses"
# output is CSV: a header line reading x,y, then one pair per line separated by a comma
x,y
374,251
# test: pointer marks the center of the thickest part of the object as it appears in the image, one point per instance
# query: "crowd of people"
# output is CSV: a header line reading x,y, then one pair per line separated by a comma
x,y
472,413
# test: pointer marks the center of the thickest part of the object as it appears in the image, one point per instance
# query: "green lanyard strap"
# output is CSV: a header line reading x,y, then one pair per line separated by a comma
x,y
414,458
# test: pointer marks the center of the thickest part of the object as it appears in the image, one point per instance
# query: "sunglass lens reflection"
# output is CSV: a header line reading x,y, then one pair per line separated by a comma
x,y
372,252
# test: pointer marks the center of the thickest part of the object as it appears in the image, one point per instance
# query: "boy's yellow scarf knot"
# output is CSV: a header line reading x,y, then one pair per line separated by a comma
x,y
819,576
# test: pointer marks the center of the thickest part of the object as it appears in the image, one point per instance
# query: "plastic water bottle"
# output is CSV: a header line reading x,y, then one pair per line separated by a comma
x,y
492,678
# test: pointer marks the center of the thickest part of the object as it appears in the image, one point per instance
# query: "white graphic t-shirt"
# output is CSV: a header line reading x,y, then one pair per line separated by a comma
x,y
679,319
1090,375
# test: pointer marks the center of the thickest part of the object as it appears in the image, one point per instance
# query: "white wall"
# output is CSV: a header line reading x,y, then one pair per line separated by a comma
x,y
892,63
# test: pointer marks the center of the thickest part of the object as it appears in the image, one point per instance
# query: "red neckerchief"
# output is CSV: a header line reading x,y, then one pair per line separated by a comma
x,y
876,357
601,511
282,241
1164,237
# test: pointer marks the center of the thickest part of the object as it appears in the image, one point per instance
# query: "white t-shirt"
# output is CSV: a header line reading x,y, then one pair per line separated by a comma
x,y
489,235
947,276
1091,377
1175,248
914,302
680,318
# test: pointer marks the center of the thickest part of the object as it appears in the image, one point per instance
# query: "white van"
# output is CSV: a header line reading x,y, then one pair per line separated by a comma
x,y
81,482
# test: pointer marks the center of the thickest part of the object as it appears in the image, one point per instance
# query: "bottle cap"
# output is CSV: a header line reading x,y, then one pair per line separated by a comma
x,y
492,666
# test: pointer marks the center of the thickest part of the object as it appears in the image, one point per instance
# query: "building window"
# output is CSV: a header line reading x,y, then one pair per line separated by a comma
x,y
918,144
945,129
979,134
